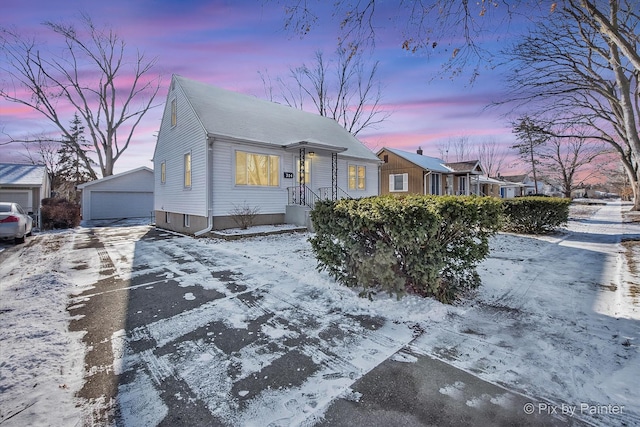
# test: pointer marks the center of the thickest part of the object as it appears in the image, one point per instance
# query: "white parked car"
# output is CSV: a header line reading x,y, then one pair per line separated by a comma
x,y
14,222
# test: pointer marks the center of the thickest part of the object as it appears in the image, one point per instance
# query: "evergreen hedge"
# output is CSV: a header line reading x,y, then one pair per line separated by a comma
x,y
428,245
535,214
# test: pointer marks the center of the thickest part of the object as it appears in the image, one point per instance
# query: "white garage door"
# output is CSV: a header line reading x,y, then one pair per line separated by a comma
x,y
120,204
19,197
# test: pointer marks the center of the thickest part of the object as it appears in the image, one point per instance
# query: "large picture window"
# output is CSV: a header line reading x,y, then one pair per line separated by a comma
x,y
357,177
257,169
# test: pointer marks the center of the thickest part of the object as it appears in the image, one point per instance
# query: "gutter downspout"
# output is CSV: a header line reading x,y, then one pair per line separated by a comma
x,y
209,164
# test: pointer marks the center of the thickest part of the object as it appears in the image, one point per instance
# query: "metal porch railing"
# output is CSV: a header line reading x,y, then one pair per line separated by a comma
x,y
302,196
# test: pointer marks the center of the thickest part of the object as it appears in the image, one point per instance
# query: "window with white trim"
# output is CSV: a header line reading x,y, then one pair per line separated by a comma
x,y
163,172
357,177
187,220
398,182
174,112
167,217
260,170
187,170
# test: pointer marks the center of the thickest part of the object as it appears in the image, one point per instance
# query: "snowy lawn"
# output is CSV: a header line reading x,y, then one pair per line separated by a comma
x,y
557,319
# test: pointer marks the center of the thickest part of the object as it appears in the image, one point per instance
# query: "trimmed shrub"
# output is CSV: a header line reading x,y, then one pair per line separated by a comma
x,y
535,214
59,213
427,245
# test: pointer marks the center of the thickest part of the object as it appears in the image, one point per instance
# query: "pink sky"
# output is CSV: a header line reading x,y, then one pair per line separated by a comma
x,y
226,43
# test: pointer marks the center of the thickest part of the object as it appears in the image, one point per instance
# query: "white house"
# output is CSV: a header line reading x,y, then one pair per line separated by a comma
x,y
26,185
125,195
219,151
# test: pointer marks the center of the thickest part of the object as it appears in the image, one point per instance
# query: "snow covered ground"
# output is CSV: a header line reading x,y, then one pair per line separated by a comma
x,y
557,318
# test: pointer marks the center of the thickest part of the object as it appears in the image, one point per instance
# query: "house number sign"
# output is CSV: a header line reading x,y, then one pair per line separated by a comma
x,y
288,174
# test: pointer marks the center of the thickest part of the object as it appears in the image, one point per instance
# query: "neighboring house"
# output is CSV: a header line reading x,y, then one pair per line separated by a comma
x,y
414,173
124,195
219,152
553,189
489,186
26,185
525,185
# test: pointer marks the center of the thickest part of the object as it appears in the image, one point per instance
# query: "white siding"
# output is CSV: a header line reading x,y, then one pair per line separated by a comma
x,y
371,177
227,195
173,143
321,174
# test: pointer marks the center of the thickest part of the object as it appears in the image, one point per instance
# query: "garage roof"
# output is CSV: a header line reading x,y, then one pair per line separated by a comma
x,y
22,175
109,178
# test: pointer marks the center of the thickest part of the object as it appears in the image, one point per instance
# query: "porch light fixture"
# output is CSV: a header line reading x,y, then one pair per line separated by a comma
x,y
311,153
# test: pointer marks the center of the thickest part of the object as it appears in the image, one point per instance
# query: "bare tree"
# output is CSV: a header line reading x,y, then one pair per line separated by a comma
x,y
463,28
45,153
455,149
344,88
93,75
569,73
491,156
566,159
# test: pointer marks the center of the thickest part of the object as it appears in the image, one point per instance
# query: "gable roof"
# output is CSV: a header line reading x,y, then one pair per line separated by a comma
x,y
425,162
22,175
472,166
514,178
231,114
110,177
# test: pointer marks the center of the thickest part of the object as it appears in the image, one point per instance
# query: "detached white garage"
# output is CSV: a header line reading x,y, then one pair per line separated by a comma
x,y
125,195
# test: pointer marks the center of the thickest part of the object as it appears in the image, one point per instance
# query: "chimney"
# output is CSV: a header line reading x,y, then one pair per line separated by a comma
x,y
419,151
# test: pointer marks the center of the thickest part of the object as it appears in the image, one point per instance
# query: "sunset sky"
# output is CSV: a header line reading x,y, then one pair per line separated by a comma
x,y
227,44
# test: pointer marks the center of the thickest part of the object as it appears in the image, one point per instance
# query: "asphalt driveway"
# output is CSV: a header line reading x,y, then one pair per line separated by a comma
x,y
178,336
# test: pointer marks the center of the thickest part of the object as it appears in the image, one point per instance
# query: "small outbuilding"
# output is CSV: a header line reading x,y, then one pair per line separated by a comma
x,y
26,185
124,195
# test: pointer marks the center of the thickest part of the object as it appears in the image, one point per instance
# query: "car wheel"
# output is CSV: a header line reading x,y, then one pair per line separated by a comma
x,y
19,240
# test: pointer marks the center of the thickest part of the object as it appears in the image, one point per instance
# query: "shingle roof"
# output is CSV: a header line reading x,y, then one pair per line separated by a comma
x,y
22,175
514,178
232,114
467,166
429,163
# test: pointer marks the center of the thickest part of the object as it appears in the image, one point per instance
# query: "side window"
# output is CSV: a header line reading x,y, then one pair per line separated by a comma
x,y
187,170
398,182
163,172
356,177
174,112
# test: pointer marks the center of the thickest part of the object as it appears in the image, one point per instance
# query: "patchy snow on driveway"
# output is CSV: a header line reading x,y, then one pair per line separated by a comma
x,y
264,338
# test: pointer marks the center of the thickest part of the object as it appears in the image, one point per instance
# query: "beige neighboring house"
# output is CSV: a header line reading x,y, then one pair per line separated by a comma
x,y
26,185
415,173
